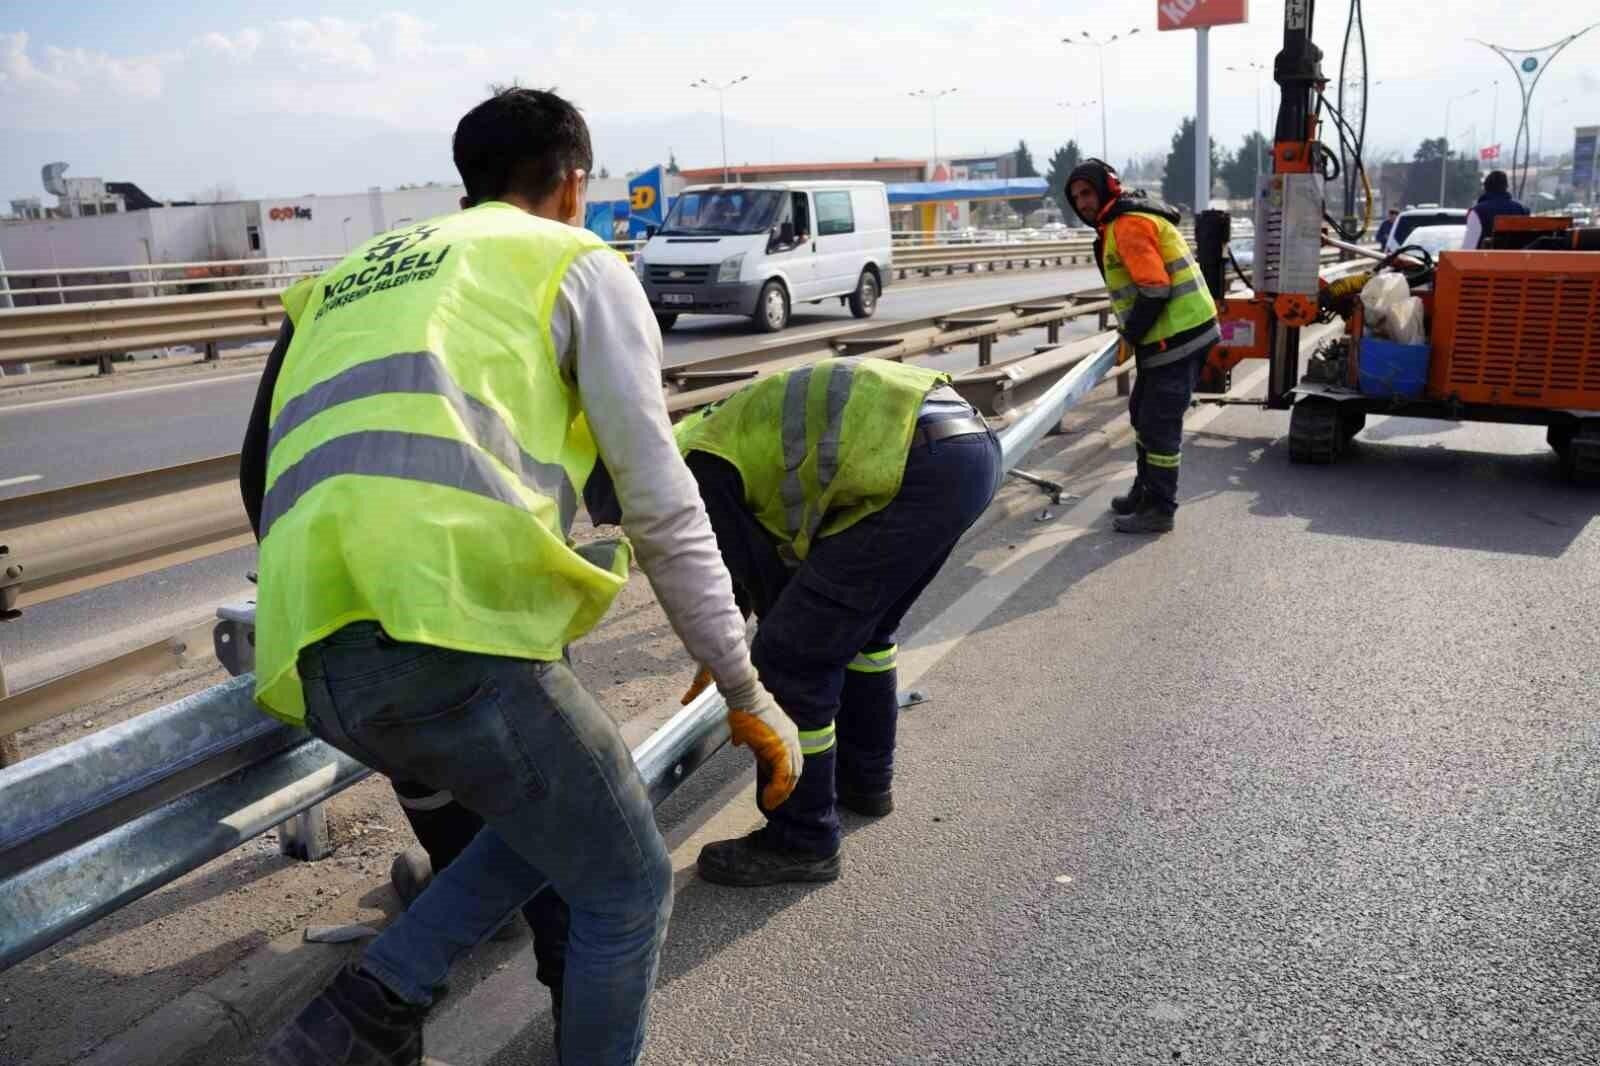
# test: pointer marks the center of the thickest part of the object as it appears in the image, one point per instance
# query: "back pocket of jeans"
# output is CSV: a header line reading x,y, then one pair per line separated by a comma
x,y
466,747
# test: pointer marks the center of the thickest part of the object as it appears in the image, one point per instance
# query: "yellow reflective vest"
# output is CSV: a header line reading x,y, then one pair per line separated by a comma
x,y
426,453
818,448
1188,300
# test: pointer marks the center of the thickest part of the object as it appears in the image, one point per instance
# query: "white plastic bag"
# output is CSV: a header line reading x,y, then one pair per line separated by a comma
x,y
1381,298
1406,323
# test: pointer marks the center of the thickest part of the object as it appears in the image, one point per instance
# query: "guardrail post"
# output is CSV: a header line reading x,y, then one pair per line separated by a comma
x,y
1052,333
10,751
1125,383
105,363
985,350
305,836
212,355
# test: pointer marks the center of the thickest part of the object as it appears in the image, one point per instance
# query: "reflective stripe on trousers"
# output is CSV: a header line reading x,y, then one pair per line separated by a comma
x,y
817,741
874,662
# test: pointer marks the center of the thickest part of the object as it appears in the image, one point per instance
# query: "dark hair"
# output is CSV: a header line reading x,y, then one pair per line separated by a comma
x,y
1497,182
520,141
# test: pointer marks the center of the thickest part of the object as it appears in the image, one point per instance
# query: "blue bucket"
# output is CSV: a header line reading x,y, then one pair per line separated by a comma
x,y
1390,369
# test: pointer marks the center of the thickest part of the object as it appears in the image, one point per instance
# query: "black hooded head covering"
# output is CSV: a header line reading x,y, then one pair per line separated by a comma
x,y
1102,177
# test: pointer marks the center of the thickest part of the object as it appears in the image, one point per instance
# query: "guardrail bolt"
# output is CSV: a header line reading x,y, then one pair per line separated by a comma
x,y
10,586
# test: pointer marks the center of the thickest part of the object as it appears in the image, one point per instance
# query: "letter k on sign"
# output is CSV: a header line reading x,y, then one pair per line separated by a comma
x,y
1193,14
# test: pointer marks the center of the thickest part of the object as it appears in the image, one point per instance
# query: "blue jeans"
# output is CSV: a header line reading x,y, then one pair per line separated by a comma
x,y
522,745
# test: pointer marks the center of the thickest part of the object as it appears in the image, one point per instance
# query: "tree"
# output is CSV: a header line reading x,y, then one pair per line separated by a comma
x,y
1239,170
604,173
672,162
1061,164
1422,179
1025,167
1177,185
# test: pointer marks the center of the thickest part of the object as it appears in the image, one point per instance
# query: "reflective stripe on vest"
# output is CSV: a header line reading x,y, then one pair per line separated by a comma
x,y
817,448
1188,301
420,458
426,453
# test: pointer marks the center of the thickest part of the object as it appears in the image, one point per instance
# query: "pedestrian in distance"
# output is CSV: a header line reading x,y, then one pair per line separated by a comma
x,y
1495,202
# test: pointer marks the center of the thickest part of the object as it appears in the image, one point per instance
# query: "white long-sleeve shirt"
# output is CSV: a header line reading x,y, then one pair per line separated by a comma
x,y
607,339
1474,232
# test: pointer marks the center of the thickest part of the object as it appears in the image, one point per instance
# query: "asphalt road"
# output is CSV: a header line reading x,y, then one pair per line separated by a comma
x,y
69,439
1310,781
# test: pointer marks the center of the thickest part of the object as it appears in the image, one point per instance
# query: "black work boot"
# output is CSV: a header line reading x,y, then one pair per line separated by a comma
x,y
1131,502
410,873
750,861
870,804
354,1021
1146,519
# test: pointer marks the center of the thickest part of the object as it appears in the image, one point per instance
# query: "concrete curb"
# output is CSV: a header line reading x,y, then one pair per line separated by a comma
x,y
252,999
221,1017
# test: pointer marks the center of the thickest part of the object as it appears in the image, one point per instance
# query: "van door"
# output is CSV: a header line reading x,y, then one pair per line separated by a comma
x,y
838,260
797,258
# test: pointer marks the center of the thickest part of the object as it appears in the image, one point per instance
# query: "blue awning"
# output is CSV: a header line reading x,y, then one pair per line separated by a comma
x,y
933,192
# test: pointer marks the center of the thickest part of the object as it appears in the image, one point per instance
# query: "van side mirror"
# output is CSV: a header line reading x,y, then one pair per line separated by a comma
x,y
649,232
786,233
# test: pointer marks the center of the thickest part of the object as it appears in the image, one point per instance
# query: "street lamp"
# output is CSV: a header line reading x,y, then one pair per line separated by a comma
x,y
1444,155
1543,114
345,225
1073,106
933,96
1257,69
1100,47
722,111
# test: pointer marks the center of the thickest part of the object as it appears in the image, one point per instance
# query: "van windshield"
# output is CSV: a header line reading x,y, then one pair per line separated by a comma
x,y
723,212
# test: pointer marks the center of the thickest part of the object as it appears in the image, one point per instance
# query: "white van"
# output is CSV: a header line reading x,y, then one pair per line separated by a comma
x,y
758,250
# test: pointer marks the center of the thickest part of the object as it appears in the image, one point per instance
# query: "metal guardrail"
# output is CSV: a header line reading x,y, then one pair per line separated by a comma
x,y
91,826
102,329
70,540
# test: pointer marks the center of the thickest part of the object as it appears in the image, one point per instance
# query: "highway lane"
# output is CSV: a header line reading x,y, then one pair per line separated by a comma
x,y
1309,782
64,440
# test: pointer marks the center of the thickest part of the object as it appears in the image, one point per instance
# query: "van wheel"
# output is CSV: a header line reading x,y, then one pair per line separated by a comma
x,y
772,308
666,321
864,301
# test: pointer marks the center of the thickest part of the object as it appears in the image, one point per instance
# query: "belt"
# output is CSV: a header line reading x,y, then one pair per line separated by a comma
x,y
960,426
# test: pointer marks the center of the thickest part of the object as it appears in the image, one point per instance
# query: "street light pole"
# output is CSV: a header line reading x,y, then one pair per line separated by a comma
x,y
1257,69
1069,107
933,96
722,112
1444,154
1085,37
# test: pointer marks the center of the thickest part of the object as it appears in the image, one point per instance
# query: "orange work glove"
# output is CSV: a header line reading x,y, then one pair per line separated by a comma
x,y
757,722
702,680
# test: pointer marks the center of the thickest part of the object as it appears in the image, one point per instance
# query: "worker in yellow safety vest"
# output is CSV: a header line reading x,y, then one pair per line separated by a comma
x,y
837,492
421,437
1168,324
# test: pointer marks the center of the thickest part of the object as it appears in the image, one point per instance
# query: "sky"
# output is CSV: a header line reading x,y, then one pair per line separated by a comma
x,y
327,96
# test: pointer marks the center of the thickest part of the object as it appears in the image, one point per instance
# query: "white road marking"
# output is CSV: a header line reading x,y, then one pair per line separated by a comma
x,y
6,483
117,394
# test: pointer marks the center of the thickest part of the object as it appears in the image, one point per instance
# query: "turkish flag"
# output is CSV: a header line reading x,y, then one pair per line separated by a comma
x,y
1490,153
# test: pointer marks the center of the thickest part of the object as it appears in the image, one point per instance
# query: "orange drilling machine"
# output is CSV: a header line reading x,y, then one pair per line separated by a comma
x,y
1509,333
